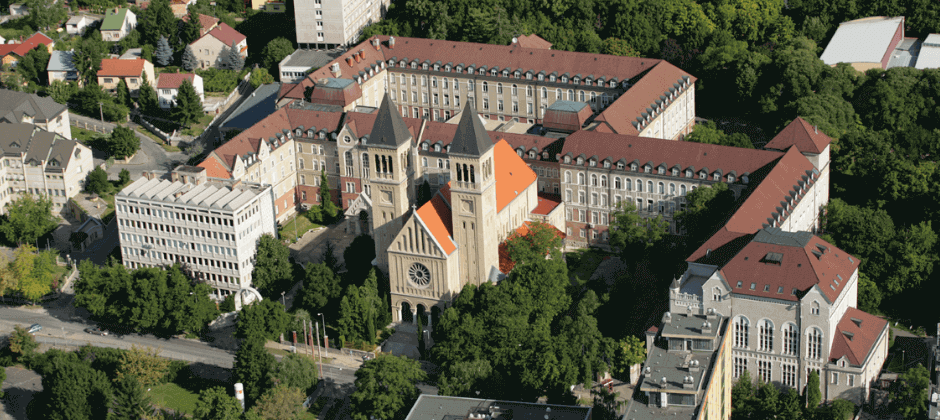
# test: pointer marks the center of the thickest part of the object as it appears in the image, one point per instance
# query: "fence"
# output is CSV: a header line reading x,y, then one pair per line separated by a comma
x,y
150,127
96,127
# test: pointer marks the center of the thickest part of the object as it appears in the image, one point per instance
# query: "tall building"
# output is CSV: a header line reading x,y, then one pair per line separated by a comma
x,y
331,24
687,373
210,226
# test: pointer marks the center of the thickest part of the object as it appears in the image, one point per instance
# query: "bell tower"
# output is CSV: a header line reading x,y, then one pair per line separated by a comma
x,y
389,147
473,198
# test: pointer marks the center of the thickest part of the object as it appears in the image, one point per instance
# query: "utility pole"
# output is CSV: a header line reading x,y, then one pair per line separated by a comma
x,y
318,351
306,342
101,111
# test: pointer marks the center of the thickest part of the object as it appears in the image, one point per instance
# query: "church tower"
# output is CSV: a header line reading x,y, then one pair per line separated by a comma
x,y
473,199
389,145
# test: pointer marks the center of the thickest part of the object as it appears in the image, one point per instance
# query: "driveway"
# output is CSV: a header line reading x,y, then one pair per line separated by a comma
x,y
150,157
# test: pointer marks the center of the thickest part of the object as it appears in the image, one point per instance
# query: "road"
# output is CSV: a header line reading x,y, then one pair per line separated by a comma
x,y
150,157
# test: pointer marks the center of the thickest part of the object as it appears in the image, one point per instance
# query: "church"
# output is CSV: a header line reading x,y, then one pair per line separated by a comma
x,y
431,252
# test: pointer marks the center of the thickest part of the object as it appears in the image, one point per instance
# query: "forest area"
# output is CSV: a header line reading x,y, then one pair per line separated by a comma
x,y
757,64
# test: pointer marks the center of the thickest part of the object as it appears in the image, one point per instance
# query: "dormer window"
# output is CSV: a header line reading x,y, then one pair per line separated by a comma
x,y
482,72
580,161
437,67
493,72
564,79
647,169
298,132
545,155
702,175
688,173
662,171
730,178
541,77
633,167
567,159
424,66
505,73
717,177
551,78
613,84
592,162
620,165
437,148
519,152
414,65
424,146
528,76
517,74
675,172
310,134
447,68
607,164
531,155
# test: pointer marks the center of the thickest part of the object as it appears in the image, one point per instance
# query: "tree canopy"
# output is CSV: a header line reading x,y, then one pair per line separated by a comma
x,y
27,218
273,270
386,387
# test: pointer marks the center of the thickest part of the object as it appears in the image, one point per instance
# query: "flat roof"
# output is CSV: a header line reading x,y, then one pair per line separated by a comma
x,y
861,40
309,58
929,57
214,194
436,407
690,326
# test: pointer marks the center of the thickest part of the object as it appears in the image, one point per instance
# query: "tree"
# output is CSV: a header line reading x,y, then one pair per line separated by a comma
x,y
274,52
44,14
260,76
327,206
129,401
22,343
419,327
216,404
123,94
123,143
791,406
539,240
350,319
27,219
812,395
124,177
147,97
144,364
869,295
232,58
189,59
768,400
265,319
97,181
273,272
424,193
74,390
252,364
909,393
157,21
358,257
632,233
709,133
8,279
295,371
706,210
616,46
385,387
281,403
188,107
164,54
190,30
88,56
320,288
62,92
33,271
606,405
630,351
33,65
845,409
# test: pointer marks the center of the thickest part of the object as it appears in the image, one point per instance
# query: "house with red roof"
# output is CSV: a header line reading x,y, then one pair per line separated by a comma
x,y
12,53
206,23
132,72
168,85
209,48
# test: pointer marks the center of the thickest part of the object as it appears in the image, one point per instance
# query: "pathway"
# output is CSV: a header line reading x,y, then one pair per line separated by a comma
x,y
151,156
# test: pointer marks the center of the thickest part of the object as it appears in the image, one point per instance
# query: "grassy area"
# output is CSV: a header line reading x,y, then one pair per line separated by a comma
x,y
583,262
85,136
174,397
156,139
295,228
197,128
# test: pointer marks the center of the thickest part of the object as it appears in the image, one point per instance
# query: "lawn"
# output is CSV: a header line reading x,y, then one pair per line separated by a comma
x,y
85,136
197,128
174,397
583,262
156,139
297,227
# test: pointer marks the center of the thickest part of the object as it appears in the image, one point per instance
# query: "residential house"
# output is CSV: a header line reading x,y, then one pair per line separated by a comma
x,y
76,24
61,67
211,47
180,7
206,23
18,9
36,161
113,70
45,113
19,50
168,85
117,24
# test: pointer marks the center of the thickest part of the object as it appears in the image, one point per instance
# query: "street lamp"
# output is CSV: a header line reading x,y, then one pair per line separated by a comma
x,y
282,302
326,344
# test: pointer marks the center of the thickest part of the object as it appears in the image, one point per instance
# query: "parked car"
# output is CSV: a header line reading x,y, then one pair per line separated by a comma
x,y
96,331
34,328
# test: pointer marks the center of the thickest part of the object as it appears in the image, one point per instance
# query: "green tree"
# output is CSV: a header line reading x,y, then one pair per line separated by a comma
x,y
768,400
327,206
358,257
157,21
465,378
419,327
273,271
869,294
252,364
742,396
129,401
22,343
321,288
350,322
27,219
630,351
707,208
295,371
632,233
385,387
709,133
88,56
274,52
232,58
123,96
216,404
190,30
189,60
619,47
266,319
281,403
424,193
913,257
74,390
909,393
124,177
866,233
606,406
791,406
33,66
540,240
33,271
844,409
147,98
163,56
123,143
812,395
62,92
188,107
97,182
260,76
144,364
44,14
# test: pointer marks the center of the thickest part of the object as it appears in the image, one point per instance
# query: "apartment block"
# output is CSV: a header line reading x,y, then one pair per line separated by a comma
x,y
331,24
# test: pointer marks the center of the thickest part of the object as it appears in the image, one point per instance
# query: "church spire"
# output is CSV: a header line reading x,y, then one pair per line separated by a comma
x,y
471,138
389,129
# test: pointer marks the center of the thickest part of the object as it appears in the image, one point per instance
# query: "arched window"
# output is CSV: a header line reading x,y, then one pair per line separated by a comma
x,y
446,85
593,180
544,93
581,96
639,185
649,186
568,177
365,165
662,188
571,94
682,189
766,331
604,200
672,189
791,340
628,183
617,184
580,179
716,294
814,343
557,94
741,327
815,308
603,180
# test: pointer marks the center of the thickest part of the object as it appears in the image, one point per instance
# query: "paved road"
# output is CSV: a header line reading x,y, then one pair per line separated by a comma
x,y
151,156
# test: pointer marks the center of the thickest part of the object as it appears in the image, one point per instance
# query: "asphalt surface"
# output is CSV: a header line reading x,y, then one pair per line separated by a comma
x,y
150,157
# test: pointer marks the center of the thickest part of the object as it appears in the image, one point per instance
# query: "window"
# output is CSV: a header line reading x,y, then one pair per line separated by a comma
x,y
740,332
486,87
581,197
557,94
544,93
662,188
593,199
570,95
567,196
515,90
766,332
617,184
814,344
639,185
649,186
682,190
716,294
499,105
672,189
740,365
580,179
499,88
603,180
789,375
568,177
815,308
851,379
582,233
835,378
763,371
791,340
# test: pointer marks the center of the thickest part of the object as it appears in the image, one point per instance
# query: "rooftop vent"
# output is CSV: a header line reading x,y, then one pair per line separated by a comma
x,y
848,335
773,258
857,321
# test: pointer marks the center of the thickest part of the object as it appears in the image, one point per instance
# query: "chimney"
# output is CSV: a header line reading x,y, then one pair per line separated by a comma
x,y
816,129
376,43
335,70
362,54
349,61
391,42
706,327
356,55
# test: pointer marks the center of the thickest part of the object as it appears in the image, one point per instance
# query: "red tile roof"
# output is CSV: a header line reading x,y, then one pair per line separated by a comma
x,y
436,216
622,114
174,80
249,141
313,119
30,44
324,94
686,155
445,192
6,49
226,34
863,330
121,68
799,133
206,22
565,120
214,168
533,41
805,261
361,123
547,203
513,176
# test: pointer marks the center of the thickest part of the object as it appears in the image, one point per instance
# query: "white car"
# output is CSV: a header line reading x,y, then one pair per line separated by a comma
x,y
34,328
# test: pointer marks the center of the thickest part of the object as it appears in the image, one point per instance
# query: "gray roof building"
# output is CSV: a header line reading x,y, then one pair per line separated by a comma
x,y
436,407
36,145
14,106
261,103
929,57
294,67
864,43
61,61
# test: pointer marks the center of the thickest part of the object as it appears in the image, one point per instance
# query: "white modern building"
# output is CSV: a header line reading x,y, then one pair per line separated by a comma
x,y
295,67
207,225
331,24
929,57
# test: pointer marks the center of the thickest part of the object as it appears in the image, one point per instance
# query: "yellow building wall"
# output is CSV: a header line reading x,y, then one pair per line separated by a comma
x,y
716,403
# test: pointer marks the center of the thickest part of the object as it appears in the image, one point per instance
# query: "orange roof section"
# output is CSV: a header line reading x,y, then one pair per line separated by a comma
x,y
547,203
806,137
533,41
121,68
31,43
214,168
856,335
435,214
513,176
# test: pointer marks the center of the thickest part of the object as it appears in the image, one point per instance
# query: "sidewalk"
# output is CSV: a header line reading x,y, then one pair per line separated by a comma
x,y
335,355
